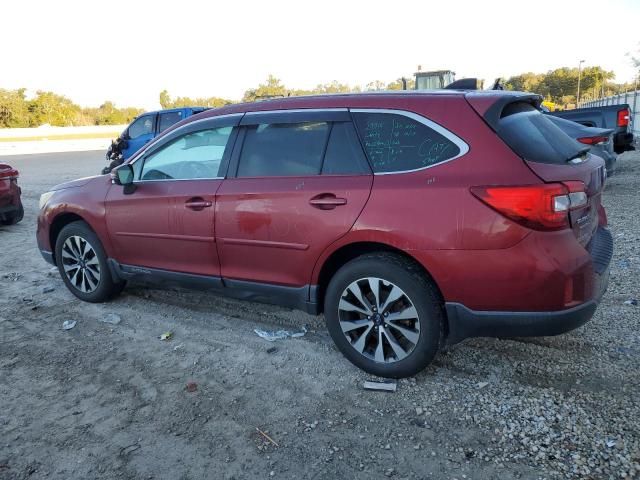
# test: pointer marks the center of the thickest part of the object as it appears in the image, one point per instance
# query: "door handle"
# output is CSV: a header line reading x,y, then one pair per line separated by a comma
x,y
197,204
327,201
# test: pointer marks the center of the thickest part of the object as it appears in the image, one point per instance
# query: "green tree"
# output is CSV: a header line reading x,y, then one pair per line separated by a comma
x,y
397,84
273,87
13,108
53,109
561,85
165,99
214,102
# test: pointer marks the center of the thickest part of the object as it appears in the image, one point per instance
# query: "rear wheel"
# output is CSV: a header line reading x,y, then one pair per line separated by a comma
x,y
82,263
384,315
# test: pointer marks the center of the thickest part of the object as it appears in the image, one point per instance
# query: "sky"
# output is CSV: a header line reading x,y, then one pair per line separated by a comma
x,y
128,51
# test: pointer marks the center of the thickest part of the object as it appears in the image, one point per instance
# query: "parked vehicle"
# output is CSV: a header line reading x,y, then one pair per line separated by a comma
x,y
410,219
11,209
599,139
142,130
616,117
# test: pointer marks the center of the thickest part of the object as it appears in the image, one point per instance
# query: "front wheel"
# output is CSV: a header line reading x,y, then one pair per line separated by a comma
x,y
384,315
82,263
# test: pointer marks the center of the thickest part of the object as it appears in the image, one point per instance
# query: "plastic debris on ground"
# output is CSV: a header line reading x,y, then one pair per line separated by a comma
x,y
382,386
633,302
112,318
166,336
191,387
272,336
68,324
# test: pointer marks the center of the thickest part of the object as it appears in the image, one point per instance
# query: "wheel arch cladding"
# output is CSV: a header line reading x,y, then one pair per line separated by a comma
x,y
348,252
58,223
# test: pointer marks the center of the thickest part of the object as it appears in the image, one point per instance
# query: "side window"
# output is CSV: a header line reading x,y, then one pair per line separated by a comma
x,y
141,126
344,154
168,119
192,156
274,150
397,143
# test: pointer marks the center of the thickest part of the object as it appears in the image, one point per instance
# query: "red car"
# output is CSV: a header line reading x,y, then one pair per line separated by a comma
x,y
11,210
410,219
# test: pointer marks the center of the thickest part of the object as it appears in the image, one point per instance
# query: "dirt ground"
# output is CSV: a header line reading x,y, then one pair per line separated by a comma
x,y
109,400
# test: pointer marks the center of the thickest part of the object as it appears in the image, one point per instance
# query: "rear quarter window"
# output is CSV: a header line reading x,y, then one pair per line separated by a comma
x,y
398,143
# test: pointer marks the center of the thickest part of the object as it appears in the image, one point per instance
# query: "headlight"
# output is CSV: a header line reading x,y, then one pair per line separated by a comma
x,y
44,198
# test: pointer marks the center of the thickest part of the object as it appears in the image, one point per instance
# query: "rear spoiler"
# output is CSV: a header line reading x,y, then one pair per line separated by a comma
x,y
489,104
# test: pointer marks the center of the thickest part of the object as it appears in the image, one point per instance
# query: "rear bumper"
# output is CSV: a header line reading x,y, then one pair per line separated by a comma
x,y
623,142
8,209
465,323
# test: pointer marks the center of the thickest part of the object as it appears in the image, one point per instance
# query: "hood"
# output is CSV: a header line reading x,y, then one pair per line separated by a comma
x,y
75,183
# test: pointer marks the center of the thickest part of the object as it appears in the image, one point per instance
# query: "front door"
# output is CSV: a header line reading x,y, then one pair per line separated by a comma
x,y
140,132
168,221
298,187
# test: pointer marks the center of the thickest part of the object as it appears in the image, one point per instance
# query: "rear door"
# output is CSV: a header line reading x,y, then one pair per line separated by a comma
x,y
298,183
166,119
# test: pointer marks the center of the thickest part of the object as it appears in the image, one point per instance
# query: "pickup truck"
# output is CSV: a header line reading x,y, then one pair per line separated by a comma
x,y
616,117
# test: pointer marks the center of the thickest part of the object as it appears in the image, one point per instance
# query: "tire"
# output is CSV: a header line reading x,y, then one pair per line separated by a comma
x,y
357,334
13,218
91,282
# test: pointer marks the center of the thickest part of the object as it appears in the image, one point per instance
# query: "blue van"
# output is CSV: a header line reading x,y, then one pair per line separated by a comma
x,y
143,129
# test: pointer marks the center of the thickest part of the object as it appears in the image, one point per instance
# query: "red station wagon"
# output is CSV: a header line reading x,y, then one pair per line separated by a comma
x,y
411,219
11,210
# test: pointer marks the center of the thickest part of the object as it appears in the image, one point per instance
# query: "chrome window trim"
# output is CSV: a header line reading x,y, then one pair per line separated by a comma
x,y
179,180
461,144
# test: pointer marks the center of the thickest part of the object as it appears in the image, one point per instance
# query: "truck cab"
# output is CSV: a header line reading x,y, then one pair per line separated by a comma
x,y
147,126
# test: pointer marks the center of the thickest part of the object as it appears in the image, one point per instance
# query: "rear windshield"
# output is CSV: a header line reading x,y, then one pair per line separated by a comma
x,y
534,137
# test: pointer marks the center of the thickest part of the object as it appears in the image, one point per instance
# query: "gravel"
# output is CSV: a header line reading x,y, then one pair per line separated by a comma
x,y
108,400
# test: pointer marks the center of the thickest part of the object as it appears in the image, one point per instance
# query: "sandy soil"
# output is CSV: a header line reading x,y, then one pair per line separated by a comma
x,y
109,401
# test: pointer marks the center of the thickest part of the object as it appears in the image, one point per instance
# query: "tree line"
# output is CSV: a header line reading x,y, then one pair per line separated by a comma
x,y
53,109
559,86
274,88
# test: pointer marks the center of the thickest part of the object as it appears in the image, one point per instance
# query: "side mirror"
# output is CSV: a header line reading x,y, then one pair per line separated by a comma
x,y
125,135
124,176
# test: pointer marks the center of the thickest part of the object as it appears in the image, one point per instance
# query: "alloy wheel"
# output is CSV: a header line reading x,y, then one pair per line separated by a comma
x,y
379,320
80,264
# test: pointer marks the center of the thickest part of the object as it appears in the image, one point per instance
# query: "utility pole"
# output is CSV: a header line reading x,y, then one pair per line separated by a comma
x,y
579,78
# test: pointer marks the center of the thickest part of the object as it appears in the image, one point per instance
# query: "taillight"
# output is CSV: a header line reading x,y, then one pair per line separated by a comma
x,y
9,175
623,117
539,207
593,140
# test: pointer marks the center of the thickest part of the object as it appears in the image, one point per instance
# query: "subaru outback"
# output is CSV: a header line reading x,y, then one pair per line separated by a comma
x,y
412,220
